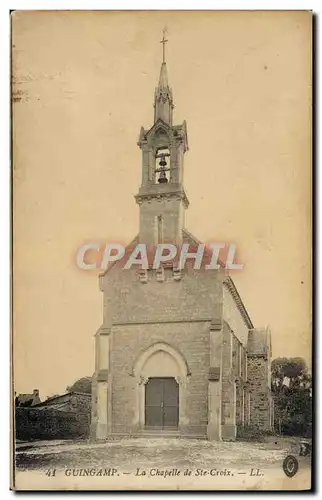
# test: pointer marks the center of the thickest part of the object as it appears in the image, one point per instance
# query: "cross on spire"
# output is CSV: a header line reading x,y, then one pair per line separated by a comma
x,y
164,41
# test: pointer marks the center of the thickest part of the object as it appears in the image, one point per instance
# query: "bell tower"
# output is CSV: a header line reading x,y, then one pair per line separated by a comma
x,y
161,197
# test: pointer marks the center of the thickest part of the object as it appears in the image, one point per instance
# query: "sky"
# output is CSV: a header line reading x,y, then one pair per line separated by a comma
x,y
83,85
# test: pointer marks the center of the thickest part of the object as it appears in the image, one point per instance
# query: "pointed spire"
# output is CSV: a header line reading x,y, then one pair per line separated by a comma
x,y
163,80
163,101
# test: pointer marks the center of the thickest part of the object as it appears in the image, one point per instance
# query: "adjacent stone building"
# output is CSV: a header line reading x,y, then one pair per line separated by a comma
x,y
66,416
24,400
177,352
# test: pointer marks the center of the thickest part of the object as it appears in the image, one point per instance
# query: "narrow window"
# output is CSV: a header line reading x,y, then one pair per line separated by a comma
x,y
248,416
240,371
158,229
235,403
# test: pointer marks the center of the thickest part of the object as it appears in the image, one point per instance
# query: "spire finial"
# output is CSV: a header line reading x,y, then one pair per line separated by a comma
x,y
164,41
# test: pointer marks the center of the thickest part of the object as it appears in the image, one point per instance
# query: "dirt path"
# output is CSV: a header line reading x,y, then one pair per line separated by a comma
x,y
161,464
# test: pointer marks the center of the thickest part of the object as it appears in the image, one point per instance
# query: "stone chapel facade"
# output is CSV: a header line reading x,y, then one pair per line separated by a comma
x,y
177,352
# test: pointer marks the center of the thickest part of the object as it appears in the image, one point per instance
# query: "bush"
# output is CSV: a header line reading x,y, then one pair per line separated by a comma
x,y
252,433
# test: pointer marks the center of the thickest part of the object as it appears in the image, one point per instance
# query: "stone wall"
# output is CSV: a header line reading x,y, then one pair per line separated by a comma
x,y
187,312
240,374
234,376
259,392
129,341
177,311
228,412
172,211
197,296
50,423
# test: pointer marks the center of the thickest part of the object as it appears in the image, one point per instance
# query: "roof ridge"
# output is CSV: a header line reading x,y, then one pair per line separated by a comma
x,y
111,264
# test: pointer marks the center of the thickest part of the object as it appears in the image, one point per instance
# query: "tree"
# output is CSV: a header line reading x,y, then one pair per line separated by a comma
x,y
292,392
83,384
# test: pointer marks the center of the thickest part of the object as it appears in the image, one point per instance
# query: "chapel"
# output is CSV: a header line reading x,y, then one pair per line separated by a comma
x,y
177,353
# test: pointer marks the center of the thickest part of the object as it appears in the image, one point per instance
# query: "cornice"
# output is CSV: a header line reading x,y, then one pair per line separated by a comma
x,y
102,376
103,330
216,325
230,286
263,355
161,321
179,195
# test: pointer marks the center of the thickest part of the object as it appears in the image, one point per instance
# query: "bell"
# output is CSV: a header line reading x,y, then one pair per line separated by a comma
x,y
162,162
162,177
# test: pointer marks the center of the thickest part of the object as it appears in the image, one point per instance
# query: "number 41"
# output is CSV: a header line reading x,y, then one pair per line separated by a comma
x,y
51,472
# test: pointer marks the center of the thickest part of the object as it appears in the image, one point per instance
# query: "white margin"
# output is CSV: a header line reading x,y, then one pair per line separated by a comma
x,y
5,177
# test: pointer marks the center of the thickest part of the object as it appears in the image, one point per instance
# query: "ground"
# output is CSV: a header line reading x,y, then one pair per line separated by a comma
x,y
142,463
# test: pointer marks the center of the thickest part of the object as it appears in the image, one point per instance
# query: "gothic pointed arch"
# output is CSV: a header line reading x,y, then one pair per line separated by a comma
x,y
146,354
159,134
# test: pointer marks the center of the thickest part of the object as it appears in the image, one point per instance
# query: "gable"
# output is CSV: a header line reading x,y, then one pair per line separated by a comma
x,y
116,263
189,238
164,132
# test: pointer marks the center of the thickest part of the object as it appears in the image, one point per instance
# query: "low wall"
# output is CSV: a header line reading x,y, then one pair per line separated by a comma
x,y
49,423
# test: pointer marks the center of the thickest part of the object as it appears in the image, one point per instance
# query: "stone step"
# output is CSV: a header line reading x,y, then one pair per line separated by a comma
x,y
158,434
166,434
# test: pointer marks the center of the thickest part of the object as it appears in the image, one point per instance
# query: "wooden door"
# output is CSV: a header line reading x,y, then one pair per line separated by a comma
x,y
161,403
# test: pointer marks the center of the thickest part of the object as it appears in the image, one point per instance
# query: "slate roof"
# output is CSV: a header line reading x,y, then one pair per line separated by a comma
x,y
62,399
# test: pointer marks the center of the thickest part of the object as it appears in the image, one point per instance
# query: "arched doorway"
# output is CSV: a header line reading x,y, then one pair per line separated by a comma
x,y
161,372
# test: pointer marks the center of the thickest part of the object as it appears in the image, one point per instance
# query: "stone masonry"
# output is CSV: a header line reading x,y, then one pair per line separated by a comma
x,y
186,330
